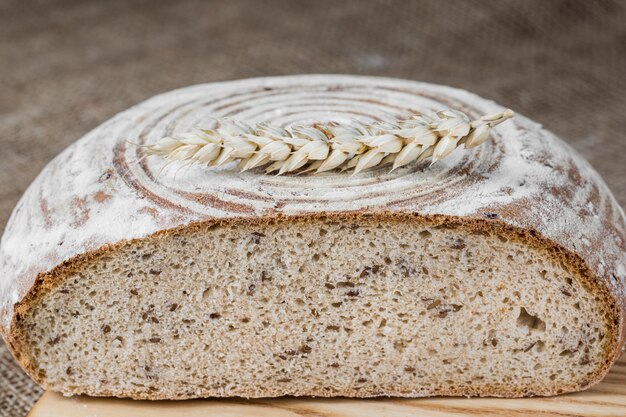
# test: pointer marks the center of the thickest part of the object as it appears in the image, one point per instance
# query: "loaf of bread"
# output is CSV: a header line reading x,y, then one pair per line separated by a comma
x,y
498,271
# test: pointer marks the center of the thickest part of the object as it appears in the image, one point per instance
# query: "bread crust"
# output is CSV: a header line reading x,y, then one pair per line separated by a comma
x,y
100,194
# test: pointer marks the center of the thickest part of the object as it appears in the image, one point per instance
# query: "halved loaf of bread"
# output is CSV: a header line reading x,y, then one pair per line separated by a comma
x,y
497,272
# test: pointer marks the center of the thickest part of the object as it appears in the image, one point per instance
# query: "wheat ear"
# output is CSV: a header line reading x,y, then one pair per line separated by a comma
x,y
325,146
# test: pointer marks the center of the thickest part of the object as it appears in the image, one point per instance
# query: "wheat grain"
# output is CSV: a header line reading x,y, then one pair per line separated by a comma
x,y
326,146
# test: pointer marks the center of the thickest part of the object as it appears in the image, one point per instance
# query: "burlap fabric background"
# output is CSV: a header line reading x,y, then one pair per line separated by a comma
x,y
67,66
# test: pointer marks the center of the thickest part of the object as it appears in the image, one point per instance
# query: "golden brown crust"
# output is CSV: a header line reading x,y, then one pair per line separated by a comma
x,y
614,339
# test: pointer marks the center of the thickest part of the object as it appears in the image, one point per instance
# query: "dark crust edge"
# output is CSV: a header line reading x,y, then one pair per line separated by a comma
x,y
611,306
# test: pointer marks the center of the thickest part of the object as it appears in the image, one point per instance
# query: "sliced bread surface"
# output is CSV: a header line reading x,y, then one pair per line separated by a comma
x,y
325,307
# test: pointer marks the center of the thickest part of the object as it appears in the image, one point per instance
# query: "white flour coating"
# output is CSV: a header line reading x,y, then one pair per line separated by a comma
x,y
96,192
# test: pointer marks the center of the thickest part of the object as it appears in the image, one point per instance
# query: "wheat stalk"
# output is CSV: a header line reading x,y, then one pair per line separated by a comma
x,y
325,146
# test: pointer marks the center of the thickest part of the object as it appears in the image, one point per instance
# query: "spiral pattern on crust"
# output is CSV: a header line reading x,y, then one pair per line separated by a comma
x,y
224,191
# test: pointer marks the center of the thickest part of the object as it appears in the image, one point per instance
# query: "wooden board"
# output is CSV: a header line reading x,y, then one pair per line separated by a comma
x,y
605,399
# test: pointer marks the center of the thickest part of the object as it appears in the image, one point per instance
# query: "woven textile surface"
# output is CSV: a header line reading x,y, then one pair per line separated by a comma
x,y
69,65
